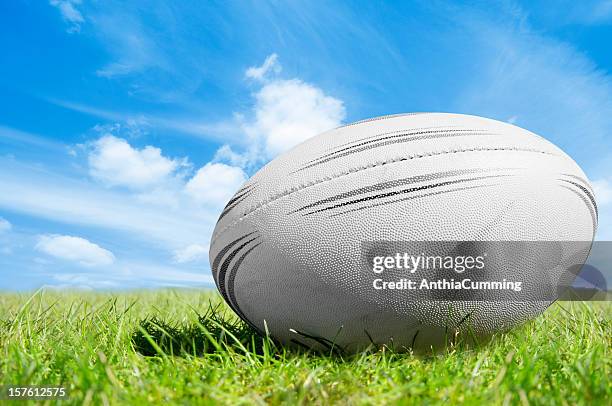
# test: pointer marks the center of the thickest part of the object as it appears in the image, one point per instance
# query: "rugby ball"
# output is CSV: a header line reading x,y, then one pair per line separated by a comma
x,y
291,252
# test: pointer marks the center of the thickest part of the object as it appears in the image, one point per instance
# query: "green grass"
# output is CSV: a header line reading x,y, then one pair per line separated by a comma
x,y
173,347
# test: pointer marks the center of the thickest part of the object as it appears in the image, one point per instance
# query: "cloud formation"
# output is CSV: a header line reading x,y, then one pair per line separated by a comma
x,y
114,162
285,113
70,13
288,112
270,65
74,249
5,225
191,253
56,197
215,183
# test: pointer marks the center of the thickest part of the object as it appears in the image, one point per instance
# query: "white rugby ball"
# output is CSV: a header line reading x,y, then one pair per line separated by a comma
x,y
287,251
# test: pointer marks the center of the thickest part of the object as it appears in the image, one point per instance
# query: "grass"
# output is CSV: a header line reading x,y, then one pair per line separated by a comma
x,y
185,347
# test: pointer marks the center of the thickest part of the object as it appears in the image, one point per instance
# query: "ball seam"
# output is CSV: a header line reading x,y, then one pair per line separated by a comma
x,y
297,188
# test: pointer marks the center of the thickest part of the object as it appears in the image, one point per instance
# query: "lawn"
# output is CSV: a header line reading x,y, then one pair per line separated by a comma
x,y
185,347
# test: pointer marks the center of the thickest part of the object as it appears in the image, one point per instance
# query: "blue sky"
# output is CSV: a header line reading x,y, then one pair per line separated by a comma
x,y
124,128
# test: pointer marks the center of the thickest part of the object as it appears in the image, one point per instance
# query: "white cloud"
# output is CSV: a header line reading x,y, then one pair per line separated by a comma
x,y
69,13
42,193
603,191
288,112
284,113
130,128
158,203
191,253
114,162
74,249
227,154
259,72
5,225
215,183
